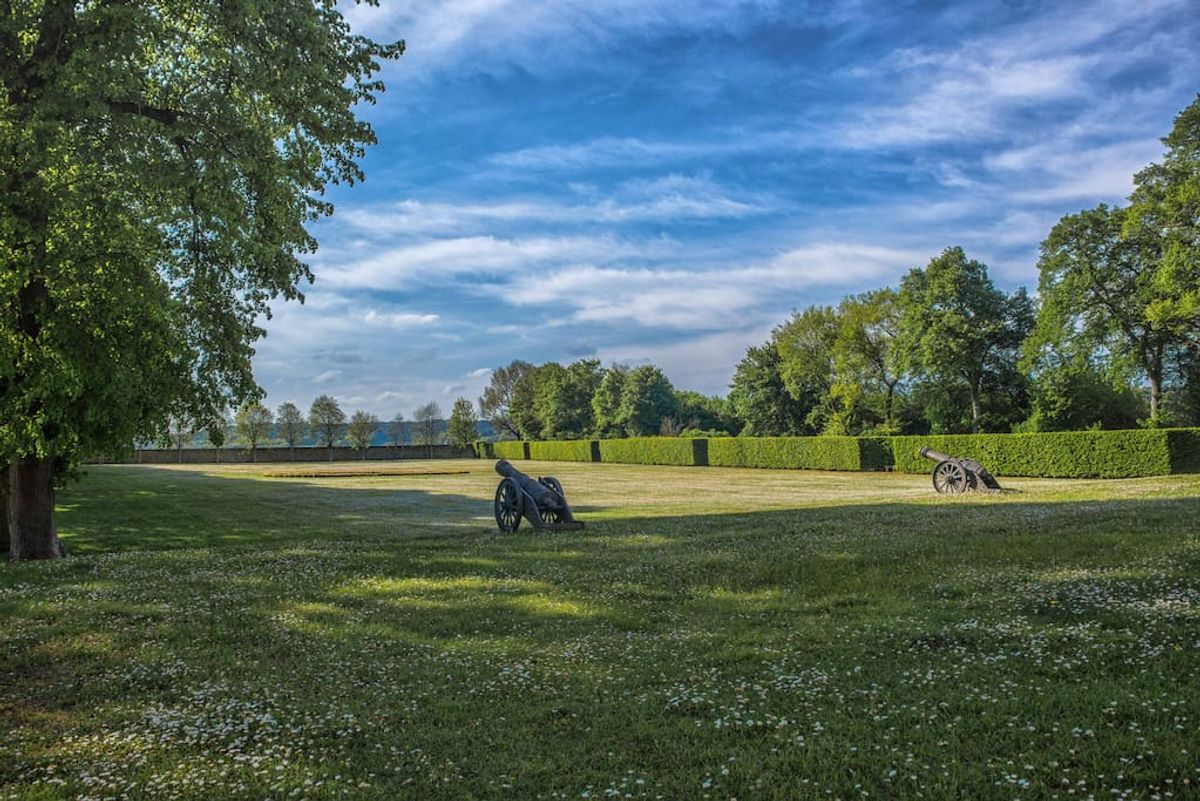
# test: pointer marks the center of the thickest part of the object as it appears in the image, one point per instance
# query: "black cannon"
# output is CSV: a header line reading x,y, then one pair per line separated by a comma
x,y
541,502
953,475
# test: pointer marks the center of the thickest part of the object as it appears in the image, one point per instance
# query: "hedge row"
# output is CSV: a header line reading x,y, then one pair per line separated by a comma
x,y
803,453
573,450
1070,454
652,450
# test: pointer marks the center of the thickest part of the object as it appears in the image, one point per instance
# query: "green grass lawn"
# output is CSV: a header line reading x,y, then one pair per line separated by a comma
x,y
713,633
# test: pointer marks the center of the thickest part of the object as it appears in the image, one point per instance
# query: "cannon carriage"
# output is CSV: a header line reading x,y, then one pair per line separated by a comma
x,y
952,475
541,501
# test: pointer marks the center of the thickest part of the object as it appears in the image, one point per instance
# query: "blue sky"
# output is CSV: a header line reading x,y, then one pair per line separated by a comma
x,y
665,181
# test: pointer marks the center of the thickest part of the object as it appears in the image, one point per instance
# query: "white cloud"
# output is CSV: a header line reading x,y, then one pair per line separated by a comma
x,y
676,297
482,372
328,376
399,320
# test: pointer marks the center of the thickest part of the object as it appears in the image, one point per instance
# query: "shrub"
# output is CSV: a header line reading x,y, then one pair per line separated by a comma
x,y
1060,454
649,450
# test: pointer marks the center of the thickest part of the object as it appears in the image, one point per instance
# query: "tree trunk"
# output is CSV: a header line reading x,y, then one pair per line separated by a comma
x,y
1155,376
4,538
887,405
974,409
33,532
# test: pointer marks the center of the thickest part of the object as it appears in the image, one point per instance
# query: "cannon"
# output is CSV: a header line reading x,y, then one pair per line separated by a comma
x,y
953,475
541,501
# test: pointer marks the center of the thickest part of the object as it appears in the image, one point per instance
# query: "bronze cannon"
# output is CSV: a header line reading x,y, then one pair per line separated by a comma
x,y
953,475
542,502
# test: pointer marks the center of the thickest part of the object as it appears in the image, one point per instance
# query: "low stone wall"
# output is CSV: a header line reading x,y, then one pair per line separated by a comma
x,y
269,455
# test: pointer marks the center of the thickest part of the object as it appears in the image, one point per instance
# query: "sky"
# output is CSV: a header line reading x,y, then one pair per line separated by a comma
x,y
660,181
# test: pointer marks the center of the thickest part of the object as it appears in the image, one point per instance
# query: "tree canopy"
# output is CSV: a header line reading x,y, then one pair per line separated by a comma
x,y
159,162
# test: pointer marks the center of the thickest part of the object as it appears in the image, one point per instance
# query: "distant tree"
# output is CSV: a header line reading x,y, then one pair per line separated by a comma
x,y
426,429
954,325
606,403
253,424
396,430
291,423
181,431
496,403
215,433
462,424
646,399
361,431
758,398
325,419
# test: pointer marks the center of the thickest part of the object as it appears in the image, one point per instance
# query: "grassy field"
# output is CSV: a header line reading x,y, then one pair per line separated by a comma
x,y
713,633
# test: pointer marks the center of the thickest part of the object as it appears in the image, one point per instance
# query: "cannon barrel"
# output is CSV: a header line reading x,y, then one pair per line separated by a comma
x,y
933,455
505,468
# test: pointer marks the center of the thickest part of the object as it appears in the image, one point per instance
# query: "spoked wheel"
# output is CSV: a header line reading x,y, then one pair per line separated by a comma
x,y
553,515
949,478
509,505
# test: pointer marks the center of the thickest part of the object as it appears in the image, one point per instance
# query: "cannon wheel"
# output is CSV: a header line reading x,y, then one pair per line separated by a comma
x,y
509,506
949,478
553,515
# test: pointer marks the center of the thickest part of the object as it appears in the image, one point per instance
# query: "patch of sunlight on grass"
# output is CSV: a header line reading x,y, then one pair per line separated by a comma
x,y
383,587
746,597
548,606
644,540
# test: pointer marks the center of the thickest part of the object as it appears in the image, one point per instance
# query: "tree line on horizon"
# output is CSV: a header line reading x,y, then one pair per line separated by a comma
x,y
1112,340
255,425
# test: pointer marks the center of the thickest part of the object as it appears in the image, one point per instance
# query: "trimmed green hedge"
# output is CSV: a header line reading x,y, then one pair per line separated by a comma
x,y
1061,454
572,450
803,453
649,450
509,449
1067,454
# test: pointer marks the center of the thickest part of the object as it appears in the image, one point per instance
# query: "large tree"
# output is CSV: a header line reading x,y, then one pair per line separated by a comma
x,y
646,398
497,400
159,161
759,399
1164,217
1099,291
957,329
563,398
606,403
865,351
